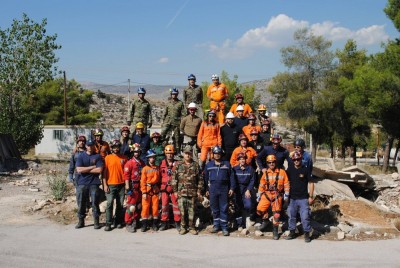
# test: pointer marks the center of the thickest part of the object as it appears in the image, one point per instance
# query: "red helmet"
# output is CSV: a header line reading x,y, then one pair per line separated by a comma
x,y
241,155
252,117
81,138
238,96
125,128
115,143
242,137
253,132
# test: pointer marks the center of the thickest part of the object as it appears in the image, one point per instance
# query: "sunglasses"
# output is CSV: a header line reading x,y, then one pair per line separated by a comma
x,y
270,162
211,116
297,159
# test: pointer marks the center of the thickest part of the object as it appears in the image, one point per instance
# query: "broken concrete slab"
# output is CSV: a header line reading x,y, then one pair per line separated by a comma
x,y
337,190
344,227
340,235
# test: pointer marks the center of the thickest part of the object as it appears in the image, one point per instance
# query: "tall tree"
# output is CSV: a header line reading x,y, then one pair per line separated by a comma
x,y
27,58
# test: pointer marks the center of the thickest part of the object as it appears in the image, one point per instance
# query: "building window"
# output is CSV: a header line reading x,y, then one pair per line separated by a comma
x,y
58,134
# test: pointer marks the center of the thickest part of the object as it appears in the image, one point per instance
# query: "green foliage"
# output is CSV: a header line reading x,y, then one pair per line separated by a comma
x,y
27,56
392,10
57,185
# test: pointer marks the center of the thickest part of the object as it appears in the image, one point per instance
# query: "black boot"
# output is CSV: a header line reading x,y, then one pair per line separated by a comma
x,y
178,226
263,227
155,225
80,224
107,228
134,226
144,226
96,224
163,226
307,237
275,232
292,235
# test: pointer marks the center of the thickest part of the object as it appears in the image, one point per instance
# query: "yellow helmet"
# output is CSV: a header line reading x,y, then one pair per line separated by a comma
x,y
139,125
262,107
271,158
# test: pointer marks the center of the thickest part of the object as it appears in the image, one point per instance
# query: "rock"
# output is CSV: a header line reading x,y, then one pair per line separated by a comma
x,y
355,231
103,206
334,229
337,190
340,235
369,232
244,232
33,189
21,171
258,233
344,227
395,176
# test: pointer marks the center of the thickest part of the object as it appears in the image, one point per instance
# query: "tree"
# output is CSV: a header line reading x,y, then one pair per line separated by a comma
x,y
27,58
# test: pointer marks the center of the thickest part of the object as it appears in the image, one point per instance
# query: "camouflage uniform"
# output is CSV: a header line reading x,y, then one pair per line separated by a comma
x,y
194,94
187,181
174,111
140,111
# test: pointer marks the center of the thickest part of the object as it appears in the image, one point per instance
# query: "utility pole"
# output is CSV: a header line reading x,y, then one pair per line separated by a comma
x,y
129,91
65,99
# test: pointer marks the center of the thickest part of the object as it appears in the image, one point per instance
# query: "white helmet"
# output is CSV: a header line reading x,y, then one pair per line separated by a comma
x,y
192,105
239,108
230,116
215,77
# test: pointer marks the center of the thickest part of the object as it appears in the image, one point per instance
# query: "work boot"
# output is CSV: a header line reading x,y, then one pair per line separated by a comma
x,y
120,225
130,228
215,230
155,225
194,232
263,227
225,232
107,228
292,235
178,226
163,226
183,231
134,226
96,224
275,232
307,237
144,226
80,224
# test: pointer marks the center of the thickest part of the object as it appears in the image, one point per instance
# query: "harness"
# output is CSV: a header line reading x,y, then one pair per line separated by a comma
x,y
273,188
169,175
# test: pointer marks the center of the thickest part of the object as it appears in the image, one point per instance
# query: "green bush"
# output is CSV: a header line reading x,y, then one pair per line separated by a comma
x,y
57,185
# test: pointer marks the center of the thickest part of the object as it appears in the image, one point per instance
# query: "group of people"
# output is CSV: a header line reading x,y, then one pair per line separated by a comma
x,y
228,159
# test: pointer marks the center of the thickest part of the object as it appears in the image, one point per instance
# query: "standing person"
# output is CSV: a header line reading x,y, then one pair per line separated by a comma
x,y
126,142
301,196
251,126
266,132
244,178
114,186
157,146
150,186
167,168
273,185
194,94
190,126
240,120
230,135
217,92
187,184
276,149
132,174
101,147
79,149
244,148
140,111
173,114
299,146
89,166
208,137
142,138
239,101
256,142
220,183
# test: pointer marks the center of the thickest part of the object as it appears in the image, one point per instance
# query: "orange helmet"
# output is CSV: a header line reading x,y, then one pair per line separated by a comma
x,y
262,107
271,158
241,155
242,137
125,128
169,149
252,117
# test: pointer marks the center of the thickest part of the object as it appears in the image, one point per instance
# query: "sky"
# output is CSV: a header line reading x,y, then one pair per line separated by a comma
x,y
161,42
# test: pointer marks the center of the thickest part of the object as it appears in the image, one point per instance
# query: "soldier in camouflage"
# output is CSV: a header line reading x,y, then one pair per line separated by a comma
x,y
173,113
194,93
187,184
140,111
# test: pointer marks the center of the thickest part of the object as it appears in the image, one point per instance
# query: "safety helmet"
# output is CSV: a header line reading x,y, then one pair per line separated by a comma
x,y
211,112
139,125
252,117
217,150
98,132
271,158
241,155
155,135
141,90
125,128
169,149
276,138
192,105
242,137
230,116
254,132
297,155
214,77
173,91
265,122
192,77
238,96
239,108
115,143
136,147
150,153
81,138
262,107
300,142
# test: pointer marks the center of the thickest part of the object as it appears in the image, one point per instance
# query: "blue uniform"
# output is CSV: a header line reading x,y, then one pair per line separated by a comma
x,y
244,179
218,180
144,141
280,153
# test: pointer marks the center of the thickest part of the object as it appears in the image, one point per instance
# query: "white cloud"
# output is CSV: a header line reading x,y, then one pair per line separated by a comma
x,y
163,60
279,32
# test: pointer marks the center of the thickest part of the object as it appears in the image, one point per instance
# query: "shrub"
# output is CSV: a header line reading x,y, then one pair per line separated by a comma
x,y
57,185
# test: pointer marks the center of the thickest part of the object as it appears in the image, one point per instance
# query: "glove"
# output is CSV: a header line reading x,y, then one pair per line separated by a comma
x,y
258,198
70,177
149,125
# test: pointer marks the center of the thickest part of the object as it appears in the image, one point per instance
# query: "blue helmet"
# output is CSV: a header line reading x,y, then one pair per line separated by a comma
x,y
173,91
150,153
192,77
217,150
141,90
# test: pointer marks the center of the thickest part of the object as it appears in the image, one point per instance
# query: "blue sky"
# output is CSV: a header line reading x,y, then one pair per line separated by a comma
x,y
161,42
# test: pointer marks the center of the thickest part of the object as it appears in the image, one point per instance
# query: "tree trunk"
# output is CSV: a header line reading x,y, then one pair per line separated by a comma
x,y
343,155
332,150
389,144
314,149
396,153
354,155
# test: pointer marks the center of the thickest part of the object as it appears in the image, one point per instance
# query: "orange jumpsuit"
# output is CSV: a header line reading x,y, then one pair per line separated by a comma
x,y
149,184
247,129
273,184
209,136
217,95
246,109
250,153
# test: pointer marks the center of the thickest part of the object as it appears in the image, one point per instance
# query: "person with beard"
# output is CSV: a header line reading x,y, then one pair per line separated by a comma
x,y
230,135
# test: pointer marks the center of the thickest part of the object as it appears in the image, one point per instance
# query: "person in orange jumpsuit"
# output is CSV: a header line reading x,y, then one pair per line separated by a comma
x,y
274,185
150,186
245,149
209,136
101,147
132,174
217,92
239,101
251,126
